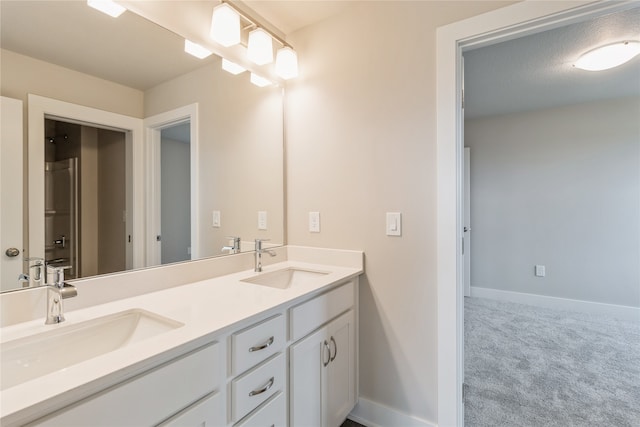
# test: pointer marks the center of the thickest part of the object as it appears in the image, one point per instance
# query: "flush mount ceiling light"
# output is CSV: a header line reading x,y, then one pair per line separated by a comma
x,y
196,50
225,25
260,48
287,63
609,56
232,67
260,81
109,7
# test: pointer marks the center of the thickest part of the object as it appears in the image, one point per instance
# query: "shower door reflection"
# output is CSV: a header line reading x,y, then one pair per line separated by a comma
x,y
61,215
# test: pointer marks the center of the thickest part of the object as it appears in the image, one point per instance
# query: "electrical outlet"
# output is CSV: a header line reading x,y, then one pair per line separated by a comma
x,y
540,270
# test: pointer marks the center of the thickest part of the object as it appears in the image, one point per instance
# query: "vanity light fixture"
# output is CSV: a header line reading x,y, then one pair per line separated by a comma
x,y
260,81
196,50
287,63
109,7
259,40
232,67
260,47
608,56
225,25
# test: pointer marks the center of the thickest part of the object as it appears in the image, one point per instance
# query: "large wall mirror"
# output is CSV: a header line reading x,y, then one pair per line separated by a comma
x,y
200,162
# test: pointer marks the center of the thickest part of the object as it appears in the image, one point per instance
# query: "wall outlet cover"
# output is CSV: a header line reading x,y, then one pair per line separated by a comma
x,y
314,222
215,219
394,224
262,220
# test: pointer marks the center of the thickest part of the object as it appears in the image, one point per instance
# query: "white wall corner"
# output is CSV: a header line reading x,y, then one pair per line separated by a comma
x,y
372,414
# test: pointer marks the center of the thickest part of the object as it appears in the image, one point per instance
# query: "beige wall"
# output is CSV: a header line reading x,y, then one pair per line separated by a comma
x,y
360,142
21,75
240,151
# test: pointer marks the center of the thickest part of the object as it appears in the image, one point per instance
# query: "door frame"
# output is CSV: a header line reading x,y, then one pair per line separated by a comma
x,y
41,108
503,24
153,128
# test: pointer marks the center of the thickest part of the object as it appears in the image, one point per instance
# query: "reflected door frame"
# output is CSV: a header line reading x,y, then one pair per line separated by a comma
x,y
41,108
153,128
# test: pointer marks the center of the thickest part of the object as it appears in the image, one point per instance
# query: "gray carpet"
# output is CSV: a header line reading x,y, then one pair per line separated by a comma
x,y
528,366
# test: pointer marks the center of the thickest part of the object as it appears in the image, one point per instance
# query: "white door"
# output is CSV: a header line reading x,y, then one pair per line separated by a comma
x,y
466,256
11,145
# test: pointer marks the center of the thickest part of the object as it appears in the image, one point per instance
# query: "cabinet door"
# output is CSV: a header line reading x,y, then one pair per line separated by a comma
x,y
341,376
307,358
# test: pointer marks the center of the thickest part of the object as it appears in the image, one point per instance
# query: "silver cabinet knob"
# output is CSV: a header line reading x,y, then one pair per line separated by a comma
x,y
12,252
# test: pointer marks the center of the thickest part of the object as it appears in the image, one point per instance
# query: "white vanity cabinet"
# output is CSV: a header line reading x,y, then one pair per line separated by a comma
x,y
184,391
323,381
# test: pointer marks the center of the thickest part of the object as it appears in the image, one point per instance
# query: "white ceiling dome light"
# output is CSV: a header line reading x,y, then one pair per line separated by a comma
x,y
608,56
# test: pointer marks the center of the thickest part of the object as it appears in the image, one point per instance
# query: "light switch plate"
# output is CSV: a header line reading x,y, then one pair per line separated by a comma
x,y
314,222
262,220
215,219
394,224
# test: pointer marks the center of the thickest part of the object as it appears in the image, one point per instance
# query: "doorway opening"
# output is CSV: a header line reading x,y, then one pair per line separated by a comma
x,y
86,219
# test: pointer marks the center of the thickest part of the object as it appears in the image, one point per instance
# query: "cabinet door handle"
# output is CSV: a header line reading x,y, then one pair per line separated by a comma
x,y
263,389
335,346
326,347
262,346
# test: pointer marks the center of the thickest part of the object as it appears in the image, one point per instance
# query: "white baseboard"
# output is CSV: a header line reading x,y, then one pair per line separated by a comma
x,y
616,311
372,414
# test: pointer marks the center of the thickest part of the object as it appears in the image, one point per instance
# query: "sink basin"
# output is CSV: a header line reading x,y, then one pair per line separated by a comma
x,y
31,357
283,279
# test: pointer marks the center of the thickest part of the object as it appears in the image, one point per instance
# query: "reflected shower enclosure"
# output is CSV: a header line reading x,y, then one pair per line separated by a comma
x,y
85,199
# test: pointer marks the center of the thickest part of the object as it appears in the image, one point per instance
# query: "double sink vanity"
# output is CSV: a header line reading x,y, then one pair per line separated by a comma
x,y
209,343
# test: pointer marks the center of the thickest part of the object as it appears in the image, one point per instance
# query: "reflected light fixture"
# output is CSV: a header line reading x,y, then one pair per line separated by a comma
x,y
109,7
225,25
232,67
287,63
260,47
196,50
609,56
260,81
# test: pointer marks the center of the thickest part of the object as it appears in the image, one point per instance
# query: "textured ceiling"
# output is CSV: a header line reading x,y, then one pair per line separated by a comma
x,y
537,71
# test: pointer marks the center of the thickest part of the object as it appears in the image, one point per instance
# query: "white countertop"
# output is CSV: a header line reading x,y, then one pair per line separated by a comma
x,y
206,308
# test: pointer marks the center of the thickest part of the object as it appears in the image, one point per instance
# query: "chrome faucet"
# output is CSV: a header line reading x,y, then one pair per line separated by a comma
x,y
35,276
259,251
57,290
232,249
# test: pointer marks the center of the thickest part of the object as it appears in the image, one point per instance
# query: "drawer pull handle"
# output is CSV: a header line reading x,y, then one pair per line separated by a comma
x,y
263,389
326,347
262,346
335,346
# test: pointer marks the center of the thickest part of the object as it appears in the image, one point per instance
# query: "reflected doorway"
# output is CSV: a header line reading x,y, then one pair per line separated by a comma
x,y
175,193
85,199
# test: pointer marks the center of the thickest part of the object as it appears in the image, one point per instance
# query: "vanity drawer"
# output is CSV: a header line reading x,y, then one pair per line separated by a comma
x,y
150,397
208,411
312,314
253,388
257,343
272,414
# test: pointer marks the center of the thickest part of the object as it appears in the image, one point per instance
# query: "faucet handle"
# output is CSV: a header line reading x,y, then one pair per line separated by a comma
x,y
259,243
55,275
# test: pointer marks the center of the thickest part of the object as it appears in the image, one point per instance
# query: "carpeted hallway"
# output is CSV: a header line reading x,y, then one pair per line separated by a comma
x,y
533,367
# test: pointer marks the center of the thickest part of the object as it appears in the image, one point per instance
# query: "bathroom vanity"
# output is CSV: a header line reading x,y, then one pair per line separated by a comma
x,y
274,348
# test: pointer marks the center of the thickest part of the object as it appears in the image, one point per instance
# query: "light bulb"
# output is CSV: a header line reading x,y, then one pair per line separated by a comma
x,y
195,49
287,63
107,6
225,25
259,80
232,67
260,48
